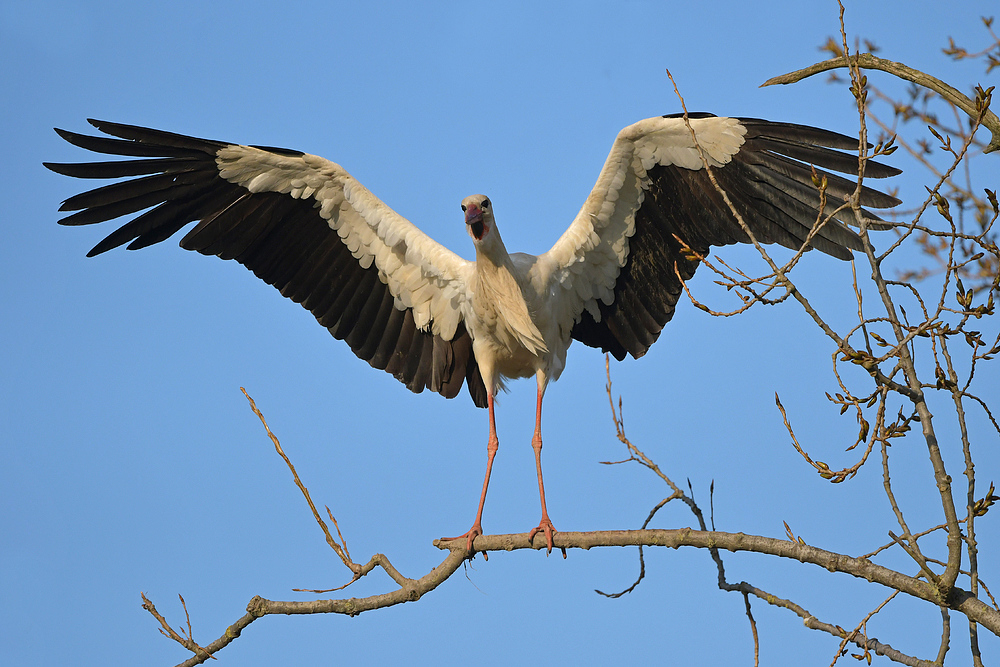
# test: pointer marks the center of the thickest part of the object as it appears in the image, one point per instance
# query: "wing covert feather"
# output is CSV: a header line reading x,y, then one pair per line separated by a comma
x,y
616,263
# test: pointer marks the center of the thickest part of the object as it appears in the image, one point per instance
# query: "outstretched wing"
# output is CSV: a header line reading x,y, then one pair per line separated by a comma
x,y
302,224
615,263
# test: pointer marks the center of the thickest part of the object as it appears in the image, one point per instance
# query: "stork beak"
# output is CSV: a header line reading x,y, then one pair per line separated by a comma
x,y
472,214
474,219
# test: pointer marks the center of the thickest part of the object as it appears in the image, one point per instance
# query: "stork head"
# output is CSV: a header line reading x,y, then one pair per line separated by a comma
x,y
478,216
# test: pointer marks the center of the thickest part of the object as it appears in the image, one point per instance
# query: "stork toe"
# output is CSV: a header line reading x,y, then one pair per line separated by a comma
x,y
472,534
545,525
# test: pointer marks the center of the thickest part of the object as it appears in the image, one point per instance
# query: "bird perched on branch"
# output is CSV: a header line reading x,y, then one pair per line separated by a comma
x,y
409,306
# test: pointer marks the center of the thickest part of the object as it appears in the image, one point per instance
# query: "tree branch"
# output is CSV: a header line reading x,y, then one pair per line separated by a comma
x,y
868,61
960,600
414,589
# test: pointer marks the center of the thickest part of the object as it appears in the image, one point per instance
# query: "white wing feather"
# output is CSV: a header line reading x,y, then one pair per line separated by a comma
x,y
421,274
586,260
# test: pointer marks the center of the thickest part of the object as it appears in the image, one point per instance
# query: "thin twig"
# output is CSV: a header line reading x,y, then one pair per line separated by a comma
x,y
854,633
341,551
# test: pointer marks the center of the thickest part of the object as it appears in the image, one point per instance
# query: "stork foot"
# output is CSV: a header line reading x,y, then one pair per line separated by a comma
x,y
545,526
474,532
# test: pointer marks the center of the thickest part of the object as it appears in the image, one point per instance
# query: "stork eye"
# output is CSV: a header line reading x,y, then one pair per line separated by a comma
x,y
463,207
485,204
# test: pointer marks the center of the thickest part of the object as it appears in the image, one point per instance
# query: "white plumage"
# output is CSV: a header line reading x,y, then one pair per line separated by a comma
x,y
407,305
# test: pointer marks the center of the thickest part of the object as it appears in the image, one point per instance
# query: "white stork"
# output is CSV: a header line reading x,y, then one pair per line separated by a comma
x,y
413,308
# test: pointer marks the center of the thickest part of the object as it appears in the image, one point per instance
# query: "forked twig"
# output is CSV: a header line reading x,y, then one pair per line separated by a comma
x,y
187,642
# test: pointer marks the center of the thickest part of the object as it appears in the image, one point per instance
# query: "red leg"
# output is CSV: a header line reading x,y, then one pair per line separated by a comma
x,y
491,450
545,525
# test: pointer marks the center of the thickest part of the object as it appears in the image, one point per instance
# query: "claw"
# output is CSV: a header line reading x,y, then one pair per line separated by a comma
x,y
545,525
473,533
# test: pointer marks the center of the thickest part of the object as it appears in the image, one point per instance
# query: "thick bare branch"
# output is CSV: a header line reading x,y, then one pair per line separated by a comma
x,y
414,589
959,600
868,61
410,591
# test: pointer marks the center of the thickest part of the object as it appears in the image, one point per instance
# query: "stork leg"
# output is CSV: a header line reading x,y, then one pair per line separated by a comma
x,y
491,450
545,525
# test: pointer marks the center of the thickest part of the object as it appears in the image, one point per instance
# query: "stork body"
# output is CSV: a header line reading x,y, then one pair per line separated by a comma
x,y
514,333
409,306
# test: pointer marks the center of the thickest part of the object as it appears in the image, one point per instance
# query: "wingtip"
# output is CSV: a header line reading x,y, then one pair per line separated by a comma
x,y
108,127
65,134
109,243
60,168
889,170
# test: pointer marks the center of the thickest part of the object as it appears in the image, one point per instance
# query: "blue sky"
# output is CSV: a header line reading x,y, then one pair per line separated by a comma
x,y
132,462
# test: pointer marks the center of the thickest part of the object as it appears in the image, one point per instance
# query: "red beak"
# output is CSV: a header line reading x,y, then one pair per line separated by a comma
x,y
473,214
474,219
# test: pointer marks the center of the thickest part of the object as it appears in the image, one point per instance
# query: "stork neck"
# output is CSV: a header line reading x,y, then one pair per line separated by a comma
x,y
493,251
